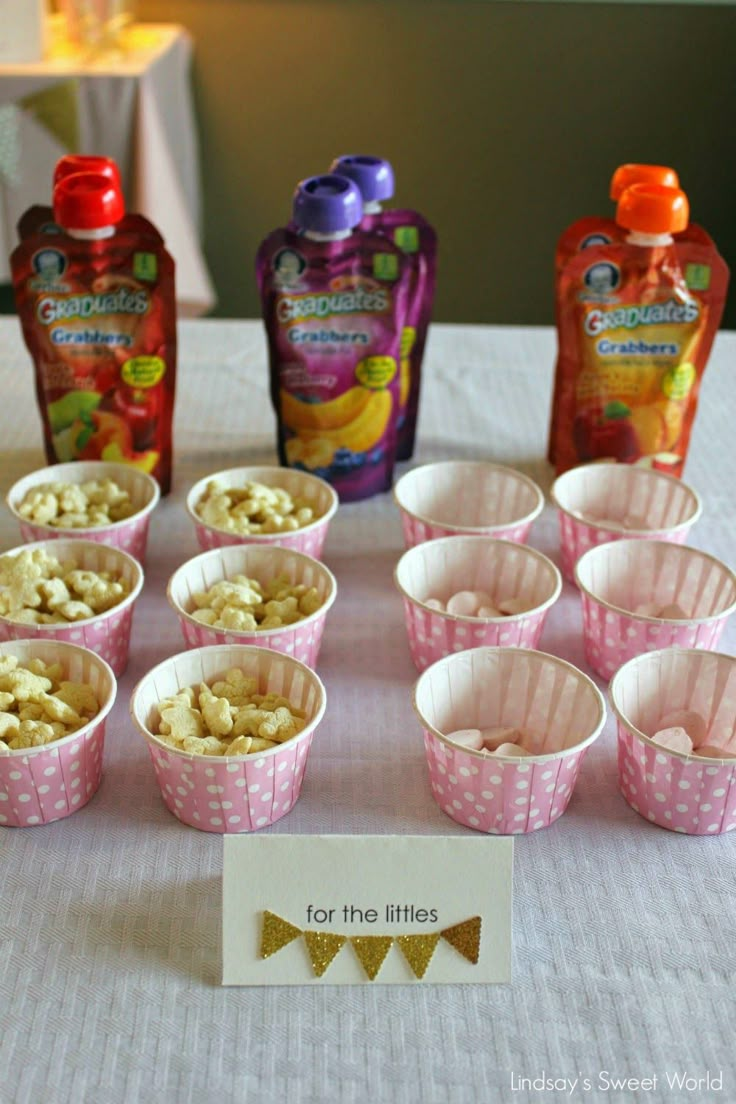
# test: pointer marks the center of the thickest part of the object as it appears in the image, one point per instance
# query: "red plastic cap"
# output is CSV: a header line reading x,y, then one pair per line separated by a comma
x,y
87,201
72,163
653,209
626,175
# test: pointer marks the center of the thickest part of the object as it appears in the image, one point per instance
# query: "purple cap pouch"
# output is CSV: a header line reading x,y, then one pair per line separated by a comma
x,y
333,304
413,234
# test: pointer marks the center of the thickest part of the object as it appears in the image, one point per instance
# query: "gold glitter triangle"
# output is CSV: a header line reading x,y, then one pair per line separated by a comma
x,y
371,951
276,933
322,948
418,950
465,938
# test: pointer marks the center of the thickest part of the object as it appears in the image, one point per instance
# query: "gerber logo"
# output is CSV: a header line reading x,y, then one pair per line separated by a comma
x,y
649,314
297,308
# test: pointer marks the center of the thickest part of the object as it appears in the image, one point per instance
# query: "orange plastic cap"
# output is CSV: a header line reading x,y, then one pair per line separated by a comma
x,y
653,209
626,175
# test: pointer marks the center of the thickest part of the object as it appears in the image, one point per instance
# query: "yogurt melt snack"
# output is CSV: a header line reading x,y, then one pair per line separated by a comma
x,y
411,232
97,307
334,304
636,321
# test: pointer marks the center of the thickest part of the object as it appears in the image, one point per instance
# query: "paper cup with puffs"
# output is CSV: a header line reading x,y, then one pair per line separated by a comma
x,y
657,697
234,793
472,572
42,784
302,638
308,490
466,498
548,710
598,503
130,534
106,634
641,596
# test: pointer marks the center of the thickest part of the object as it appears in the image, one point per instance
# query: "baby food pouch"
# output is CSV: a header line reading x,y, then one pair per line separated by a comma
x,y
97,307
333,305
595,230
636,322
411,232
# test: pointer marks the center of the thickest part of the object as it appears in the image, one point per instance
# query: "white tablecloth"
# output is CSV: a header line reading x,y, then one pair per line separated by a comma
x,y
136,108
624,953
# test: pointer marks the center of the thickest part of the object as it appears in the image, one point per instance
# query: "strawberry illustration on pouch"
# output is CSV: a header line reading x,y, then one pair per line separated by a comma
x,y
97,307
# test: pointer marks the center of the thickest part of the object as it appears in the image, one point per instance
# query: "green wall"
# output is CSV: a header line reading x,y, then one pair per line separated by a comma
x,y
503,121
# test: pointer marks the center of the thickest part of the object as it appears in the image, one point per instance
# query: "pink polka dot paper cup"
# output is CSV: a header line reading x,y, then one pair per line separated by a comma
x,y
303,639
598,503
560,710
317,493
131,534
689,794
466,498
499,569
106,634
617,579
238,793
43,784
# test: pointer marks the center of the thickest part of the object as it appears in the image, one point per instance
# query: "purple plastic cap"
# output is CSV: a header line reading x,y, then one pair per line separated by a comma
x,y
374,177
327,204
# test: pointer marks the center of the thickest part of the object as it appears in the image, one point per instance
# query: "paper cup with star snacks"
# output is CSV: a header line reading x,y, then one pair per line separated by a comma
x,y
466,498
234,792
641,596
130,533
107,632
494,574
42,784
598,503
544,712
688,791
233,623
220,520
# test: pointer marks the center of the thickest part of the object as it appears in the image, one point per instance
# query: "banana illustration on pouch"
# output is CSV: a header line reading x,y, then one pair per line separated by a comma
x,y
352,421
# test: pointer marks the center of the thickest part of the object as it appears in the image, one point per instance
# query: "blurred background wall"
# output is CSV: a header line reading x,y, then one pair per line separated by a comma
x,y
503,122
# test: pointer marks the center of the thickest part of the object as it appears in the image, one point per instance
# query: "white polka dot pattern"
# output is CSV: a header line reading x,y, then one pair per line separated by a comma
x,y
577,536
695,796
107,635
416,531
303,642
612,638
432,636
498,797
311,541
51,782
132,536
239,794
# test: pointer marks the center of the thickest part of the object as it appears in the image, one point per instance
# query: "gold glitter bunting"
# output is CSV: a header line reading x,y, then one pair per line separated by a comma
x,y
322,948
418,951
276,933
371,951
465,938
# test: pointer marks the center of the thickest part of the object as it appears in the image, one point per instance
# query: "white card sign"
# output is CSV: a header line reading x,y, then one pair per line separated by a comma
x,y
347,910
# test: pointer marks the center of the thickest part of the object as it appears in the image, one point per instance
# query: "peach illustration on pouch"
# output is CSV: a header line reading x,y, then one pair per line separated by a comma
x,y
622,433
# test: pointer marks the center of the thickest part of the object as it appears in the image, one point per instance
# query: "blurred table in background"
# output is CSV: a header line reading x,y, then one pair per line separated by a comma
x,y
133,104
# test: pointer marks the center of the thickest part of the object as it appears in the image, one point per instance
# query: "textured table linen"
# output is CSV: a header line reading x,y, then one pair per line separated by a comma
x,y
624,956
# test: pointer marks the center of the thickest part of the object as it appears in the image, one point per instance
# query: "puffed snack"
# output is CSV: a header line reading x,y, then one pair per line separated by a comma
x,y
227,718
38,589
38,706
77,505
252,508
